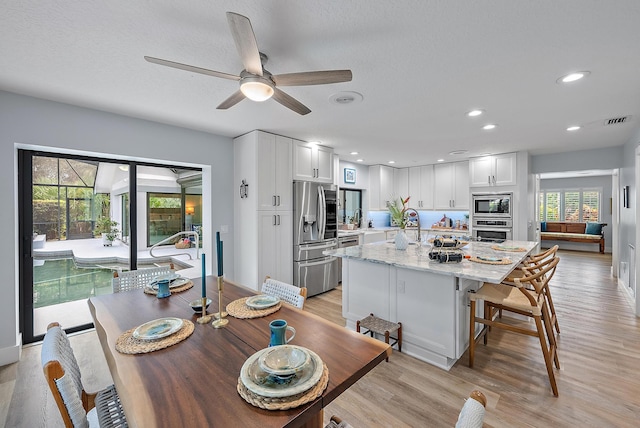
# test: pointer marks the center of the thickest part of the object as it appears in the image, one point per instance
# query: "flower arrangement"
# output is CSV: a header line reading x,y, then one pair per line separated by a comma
x,y
398,209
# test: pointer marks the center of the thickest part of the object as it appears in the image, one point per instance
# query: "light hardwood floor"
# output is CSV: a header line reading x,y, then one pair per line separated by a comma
x,y
599,383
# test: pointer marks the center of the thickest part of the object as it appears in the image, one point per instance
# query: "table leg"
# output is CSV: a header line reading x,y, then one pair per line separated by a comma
x,y
317,421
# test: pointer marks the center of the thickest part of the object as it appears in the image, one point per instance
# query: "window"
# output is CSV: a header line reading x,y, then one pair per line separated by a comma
x,y
570,205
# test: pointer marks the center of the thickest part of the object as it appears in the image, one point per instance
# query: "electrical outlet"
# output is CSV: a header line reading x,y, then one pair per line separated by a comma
x,y
400,286
224,228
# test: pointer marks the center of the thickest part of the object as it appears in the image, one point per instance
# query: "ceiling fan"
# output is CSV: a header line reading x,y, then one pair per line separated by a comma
x,y
256,83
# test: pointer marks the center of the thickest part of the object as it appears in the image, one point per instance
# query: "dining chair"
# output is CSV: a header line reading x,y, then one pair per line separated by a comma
x,y
472,413
135,279
521,300
290,294
529,265
78,408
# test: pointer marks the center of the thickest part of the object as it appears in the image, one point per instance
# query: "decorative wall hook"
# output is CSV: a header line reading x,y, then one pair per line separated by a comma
x,y
244,189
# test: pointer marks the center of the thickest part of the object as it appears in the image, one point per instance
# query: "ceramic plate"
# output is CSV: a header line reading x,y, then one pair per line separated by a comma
x,y
178,281
284,360
490,259
262,301
157,329
268,385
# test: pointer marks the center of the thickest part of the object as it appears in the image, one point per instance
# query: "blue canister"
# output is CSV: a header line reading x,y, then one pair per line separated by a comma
x,y
163,289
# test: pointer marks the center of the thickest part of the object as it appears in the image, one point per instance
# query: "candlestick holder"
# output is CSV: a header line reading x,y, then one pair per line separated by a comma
x,y
221,320
204,318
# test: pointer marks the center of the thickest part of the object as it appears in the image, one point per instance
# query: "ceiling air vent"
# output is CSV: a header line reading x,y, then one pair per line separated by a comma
x,y
617,120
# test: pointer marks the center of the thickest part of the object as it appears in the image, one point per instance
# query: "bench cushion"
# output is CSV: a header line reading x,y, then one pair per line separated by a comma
x,y
564,235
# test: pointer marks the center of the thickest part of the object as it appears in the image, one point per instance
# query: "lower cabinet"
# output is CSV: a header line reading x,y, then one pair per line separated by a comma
x,y
275,248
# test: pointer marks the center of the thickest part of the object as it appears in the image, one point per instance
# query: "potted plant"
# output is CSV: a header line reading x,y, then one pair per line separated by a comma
x,y
398,212
109,230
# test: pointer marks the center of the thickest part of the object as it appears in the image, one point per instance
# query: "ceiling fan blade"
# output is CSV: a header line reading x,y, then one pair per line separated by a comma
x,y
246,44
313,78
290,102
191,68
231,101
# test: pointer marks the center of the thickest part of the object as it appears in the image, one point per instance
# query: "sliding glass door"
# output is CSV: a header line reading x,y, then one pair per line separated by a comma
x,y
80,223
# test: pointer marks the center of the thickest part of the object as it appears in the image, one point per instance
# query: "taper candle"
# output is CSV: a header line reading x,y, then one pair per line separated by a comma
x,y
219,253
204,277
221,269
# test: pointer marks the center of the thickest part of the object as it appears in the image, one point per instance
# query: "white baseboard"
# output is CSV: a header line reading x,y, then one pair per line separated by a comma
x,y
11,354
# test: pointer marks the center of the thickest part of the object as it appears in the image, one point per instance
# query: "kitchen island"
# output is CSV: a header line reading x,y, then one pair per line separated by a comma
x,y
429,298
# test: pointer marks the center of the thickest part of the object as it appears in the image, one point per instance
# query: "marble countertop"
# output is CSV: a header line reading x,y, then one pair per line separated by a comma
x,y
431,230
418,259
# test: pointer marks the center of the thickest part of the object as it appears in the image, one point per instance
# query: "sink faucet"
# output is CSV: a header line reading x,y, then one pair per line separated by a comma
x,y
418,220
359,216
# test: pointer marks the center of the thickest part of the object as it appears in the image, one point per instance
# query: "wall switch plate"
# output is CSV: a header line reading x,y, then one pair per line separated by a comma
x,y
224,228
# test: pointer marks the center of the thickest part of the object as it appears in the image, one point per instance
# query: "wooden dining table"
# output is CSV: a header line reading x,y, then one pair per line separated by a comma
x,y
193,383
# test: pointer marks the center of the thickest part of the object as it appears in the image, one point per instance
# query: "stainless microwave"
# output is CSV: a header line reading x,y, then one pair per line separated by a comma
x,y
492,205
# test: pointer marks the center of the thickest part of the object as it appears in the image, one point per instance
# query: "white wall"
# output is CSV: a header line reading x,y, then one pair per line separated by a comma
x,y
27,122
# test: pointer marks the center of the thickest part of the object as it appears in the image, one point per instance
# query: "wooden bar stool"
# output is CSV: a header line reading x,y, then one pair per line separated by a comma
x,y
373,324
522,300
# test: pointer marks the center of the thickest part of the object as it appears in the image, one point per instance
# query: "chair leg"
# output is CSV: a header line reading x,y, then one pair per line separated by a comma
x,y
472,328
554,320
546,354
400,337
553,343
386,340
488,315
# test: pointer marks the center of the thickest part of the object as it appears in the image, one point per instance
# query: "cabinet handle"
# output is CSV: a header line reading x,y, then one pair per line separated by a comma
x,y
273,201
278,200
489,179
274,220
278,219
494,179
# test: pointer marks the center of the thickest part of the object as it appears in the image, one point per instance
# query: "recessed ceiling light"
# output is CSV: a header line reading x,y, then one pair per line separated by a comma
x,y
572,77
123,167
354,153
392,161
359,160
458,152
474,113
489,127
573,128
440,160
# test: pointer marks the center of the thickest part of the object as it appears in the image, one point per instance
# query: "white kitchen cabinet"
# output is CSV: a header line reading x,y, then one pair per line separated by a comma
x,y
263,162
312,162
381,187
275,246
274,183
421,187
489,171
401,182
451,185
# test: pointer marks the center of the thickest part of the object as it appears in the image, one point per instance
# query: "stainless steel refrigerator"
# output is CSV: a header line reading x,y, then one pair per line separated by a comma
x,y
315,221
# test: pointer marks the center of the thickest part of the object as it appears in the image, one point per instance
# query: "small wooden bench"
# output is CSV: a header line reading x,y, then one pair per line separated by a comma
x,y
571,232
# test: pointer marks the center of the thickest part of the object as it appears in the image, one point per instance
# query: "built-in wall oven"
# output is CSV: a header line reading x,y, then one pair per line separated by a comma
x,y
493,230
492,216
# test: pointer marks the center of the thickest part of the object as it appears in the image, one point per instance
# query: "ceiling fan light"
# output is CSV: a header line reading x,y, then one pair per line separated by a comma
x,y
256,90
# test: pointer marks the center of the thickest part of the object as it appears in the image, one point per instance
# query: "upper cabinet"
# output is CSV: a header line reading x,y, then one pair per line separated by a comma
x,y
401,182
381,186
451,185
312,162
421,187
489,171
268,156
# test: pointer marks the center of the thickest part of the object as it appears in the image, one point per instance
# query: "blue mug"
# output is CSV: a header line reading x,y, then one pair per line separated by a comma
x,y
163,289
279,332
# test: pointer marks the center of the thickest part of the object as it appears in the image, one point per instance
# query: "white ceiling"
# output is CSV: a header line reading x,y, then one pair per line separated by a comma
x,y
420,65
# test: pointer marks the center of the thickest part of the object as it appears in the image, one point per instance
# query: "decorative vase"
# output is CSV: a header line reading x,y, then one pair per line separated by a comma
x,y
401,240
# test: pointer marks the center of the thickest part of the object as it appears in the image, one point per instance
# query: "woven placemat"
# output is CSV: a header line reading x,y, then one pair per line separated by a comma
x,y
127,344
514,249
285,403
239,309
188,285
505,261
